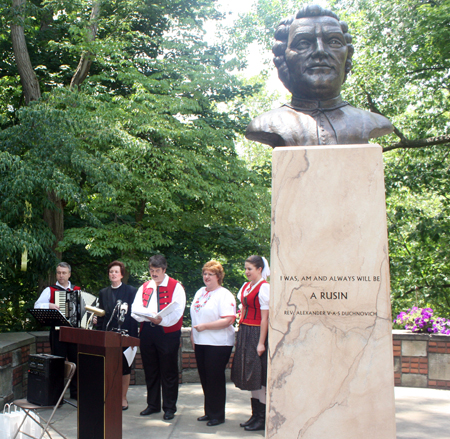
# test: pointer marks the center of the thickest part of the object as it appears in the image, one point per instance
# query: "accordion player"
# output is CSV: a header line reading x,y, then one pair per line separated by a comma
x,y
68,299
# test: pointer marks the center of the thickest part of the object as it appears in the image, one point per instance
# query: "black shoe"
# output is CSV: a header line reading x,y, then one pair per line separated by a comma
x,y
203,418
260,422
256,426
149,411
254,416
214,422
124,407
168,416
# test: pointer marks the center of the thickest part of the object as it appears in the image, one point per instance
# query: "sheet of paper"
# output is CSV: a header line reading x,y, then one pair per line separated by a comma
x,y
145,315
167,310
130,353
164,312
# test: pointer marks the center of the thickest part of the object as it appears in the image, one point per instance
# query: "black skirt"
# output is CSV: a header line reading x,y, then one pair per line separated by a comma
x,y
249,371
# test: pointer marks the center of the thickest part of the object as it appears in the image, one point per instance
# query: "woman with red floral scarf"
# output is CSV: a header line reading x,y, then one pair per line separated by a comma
x,y
213,312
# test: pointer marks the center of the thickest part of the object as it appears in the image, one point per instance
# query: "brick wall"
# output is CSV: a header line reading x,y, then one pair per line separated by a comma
x,y
412,354
421,360
15,349
43,347
186,363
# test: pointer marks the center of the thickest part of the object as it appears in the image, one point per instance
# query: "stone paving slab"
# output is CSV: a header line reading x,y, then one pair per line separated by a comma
x,y
420,414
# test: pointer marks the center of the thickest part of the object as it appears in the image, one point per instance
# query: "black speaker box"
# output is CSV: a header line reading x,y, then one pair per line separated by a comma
x,y
45,379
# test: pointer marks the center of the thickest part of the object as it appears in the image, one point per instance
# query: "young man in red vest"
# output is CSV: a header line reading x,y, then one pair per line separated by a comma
x,y
160,336
47,301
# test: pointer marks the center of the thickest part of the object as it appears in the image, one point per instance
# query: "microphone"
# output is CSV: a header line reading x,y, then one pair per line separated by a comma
x,y
123,311
117,307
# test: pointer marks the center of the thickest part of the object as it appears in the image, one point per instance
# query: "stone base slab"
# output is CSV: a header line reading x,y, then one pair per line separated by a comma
x,y
330,343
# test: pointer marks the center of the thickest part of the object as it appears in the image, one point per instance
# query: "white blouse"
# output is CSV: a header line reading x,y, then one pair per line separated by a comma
x,y
211,306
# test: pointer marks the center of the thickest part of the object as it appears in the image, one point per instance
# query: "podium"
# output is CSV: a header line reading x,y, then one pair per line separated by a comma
x,y
99,380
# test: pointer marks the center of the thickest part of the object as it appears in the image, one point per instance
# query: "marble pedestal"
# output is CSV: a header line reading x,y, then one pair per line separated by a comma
x,y
330,339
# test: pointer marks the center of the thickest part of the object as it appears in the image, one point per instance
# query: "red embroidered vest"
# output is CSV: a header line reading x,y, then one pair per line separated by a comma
x,y
165,295
54,288
251,314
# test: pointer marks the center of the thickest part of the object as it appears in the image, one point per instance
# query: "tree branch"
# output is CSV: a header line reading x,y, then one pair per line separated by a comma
x,y
405,142
426,69
86,58
374,109
419,143
426,286
28,79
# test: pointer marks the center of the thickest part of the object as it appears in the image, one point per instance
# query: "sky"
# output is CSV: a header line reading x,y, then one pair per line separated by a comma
x,y
255,65
233,8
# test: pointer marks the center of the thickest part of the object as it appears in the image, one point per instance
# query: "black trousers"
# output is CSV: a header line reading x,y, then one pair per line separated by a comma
x,y
159,353
66,350
211,364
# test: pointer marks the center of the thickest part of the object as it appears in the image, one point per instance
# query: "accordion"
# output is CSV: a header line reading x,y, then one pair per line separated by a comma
x,y
72,305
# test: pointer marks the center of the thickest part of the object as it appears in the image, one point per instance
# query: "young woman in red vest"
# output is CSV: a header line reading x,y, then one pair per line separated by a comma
x,y
249,370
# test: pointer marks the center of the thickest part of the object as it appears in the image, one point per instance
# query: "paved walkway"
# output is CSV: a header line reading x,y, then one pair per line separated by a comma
x,y
420,414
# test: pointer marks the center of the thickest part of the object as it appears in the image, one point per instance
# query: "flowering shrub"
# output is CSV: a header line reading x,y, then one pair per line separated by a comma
x,y
422,320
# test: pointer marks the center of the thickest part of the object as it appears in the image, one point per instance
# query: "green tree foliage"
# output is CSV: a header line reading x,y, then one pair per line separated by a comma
x,y
129,141
402,65
401,69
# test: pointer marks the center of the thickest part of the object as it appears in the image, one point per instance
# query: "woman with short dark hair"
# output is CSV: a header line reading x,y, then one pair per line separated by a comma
x,y
108,298
213,312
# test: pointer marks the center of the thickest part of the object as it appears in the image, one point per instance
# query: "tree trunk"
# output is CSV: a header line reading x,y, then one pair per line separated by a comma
x,y
55,220
44,282
28,78
86,59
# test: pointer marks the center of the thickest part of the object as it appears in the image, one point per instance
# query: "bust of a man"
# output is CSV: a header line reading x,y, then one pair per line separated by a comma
x,y
313,54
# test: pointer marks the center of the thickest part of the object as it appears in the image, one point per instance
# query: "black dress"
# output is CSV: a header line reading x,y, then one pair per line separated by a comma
x,y
108,298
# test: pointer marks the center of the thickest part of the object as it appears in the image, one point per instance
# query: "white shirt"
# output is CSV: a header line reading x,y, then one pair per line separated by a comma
x,y
220,303
44,299
179,296
263,296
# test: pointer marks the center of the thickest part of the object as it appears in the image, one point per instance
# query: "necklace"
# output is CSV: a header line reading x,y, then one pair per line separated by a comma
x,y
203,300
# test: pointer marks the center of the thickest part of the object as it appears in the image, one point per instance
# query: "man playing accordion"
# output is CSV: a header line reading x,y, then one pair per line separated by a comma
x,y
63,293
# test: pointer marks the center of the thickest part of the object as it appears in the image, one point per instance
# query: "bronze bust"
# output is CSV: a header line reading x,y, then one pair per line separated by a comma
x,y
313,55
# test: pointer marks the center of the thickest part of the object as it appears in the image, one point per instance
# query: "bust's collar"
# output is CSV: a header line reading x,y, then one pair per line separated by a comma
x,y
307,105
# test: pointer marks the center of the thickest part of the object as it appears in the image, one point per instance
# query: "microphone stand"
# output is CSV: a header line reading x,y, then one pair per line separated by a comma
x,y
119,302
